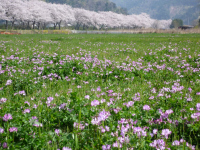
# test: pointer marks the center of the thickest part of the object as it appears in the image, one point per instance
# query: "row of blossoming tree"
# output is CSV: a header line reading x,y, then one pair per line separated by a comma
x,y
35,13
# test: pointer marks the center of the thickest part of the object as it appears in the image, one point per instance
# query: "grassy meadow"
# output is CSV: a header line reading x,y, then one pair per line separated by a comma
x,y
108,91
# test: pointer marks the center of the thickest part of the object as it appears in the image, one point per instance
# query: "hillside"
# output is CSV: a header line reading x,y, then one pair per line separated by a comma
x,y
93,5
187,10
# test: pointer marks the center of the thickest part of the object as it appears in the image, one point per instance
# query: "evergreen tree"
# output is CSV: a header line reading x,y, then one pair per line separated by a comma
x,y
176,23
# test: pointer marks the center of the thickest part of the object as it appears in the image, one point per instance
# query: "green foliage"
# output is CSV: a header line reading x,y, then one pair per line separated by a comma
x,y
187,10
69,67
176,23
93,5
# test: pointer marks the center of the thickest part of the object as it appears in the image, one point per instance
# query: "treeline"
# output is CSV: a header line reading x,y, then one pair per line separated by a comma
x,y
31,14
92,5
187,10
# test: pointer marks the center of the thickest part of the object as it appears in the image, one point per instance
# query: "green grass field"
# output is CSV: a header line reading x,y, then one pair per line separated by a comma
x,y
108,91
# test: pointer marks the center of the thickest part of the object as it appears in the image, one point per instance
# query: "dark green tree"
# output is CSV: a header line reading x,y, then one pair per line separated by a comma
x,y
93,5
176,23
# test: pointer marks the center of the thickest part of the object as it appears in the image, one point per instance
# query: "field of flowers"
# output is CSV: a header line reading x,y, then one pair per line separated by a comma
x,y
127,91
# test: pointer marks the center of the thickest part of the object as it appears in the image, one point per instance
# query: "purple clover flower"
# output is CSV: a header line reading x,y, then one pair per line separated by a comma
x,y
182,140
26,102
195,115
169,111
146,107
5,145
158,144
129,104
103,100
35,106
8,82
7,117
3,100
95,103
62,106
34,118
191,109
1,130
152,97
95,121
176,143
124,129
107,128
22,92
13,129
166,114
189,99
116,110
198,106
198,93
37,124
98,89
49,99
151,134
116,144
103,115
57,131
78,86
66,148
139,131
166,133
106,147
190,90
87,96
123,139
26,111
103,130
110,91
79,125
155,131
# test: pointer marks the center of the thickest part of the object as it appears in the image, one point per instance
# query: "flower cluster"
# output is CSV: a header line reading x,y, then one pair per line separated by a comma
x,y
158,144
13,129
49,100
7,117
3,100
103,115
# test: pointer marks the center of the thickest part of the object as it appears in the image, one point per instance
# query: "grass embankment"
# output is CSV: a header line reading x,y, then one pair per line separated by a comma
x,y
100,91
38,31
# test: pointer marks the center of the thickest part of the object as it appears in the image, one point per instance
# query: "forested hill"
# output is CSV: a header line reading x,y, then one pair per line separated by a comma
x,y
93,5
187,10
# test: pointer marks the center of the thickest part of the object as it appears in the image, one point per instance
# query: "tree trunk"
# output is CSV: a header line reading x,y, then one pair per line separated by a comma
x,y
44,26
54,26
59,24
38,26
13,24
6,25
28,25
77,26
33,24
23,25
101,27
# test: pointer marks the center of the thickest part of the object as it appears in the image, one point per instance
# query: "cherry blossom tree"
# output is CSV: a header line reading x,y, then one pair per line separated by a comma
x,y
66,14
83,18
42,13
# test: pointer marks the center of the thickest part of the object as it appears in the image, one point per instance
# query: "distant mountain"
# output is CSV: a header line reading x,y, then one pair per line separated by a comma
x,y
93,5
187,10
